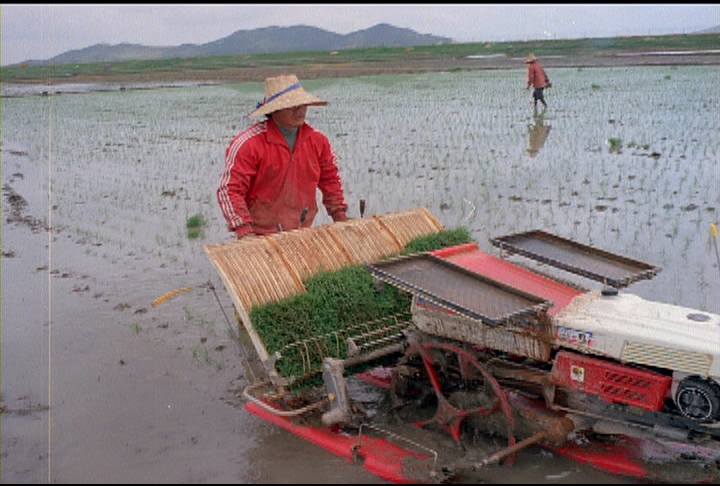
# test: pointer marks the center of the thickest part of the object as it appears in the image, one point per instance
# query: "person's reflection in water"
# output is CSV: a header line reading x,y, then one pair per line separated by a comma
x,y
537,133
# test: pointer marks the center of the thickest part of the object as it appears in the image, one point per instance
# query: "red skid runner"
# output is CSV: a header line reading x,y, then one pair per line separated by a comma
x,y
380,457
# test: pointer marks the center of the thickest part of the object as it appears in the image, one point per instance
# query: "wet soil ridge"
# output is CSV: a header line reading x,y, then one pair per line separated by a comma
x,y
18,206
27,407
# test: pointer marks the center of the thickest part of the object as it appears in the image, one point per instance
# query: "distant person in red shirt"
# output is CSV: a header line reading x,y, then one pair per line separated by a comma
x,y
274,168
537,78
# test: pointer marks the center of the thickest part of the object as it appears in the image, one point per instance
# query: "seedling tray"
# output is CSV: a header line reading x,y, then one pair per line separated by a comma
x,y
599,265
458,289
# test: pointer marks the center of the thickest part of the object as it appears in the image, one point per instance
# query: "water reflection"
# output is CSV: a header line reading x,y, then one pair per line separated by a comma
x,y
537,133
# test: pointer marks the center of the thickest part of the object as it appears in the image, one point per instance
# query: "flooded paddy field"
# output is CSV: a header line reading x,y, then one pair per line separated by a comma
x,y
98,187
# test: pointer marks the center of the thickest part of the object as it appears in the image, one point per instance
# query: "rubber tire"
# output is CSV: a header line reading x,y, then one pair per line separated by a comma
x,y
698,399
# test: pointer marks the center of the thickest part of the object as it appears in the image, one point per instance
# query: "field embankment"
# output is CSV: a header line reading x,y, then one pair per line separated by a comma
x,y
690,49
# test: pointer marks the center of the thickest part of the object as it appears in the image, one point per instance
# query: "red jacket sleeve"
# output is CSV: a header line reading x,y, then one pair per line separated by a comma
x,y
240,169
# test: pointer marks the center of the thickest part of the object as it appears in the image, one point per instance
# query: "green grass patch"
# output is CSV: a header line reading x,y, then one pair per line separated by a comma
x,y
195,226
615,145
196,221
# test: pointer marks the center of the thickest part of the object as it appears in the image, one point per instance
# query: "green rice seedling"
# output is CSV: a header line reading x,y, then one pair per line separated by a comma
x,y
439,240
206,324
161,240
194,233
196,221
615,145
334,303
195,226
203,355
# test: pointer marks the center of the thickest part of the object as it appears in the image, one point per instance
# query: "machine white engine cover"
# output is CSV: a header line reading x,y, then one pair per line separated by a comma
x,y
631,329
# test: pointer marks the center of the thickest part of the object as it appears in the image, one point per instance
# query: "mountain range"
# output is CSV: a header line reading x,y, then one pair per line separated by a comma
x,y
266,40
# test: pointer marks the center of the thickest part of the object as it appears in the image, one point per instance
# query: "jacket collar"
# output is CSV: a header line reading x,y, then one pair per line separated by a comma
x,y
274,134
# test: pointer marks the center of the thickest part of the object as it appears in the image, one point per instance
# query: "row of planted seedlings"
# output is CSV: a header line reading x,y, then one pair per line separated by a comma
x,y
339,304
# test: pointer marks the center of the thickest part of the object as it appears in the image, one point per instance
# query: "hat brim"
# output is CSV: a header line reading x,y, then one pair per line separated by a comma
x,y
299,97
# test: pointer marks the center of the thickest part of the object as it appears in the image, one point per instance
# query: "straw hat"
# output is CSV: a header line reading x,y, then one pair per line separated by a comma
x,y
530,58
284,92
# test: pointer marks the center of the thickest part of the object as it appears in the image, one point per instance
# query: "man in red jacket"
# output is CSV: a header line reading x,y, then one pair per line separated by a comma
x,y
537,78
274,168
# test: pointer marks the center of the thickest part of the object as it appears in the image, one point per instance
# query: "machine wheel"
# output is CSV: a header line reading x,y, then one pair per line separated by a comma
x,y
444,385
698,399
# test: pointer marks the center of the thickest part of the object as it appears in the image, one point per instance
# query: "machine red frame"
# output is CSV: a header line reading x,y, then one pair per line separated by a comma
x,y
627,455
530,293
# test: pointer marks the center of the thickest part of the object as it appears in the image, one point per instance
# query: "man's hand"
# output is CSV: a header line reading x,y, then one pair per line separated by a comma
x,y
243,231
339,216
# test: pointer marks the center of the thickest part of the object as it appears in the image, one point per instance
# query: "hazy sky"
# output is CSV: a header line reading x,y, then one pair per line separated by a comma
x,y
41,31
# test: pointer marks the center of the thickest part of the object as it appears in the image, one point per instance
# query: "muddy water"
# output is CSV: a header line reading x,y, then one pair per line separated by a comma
x,y
98,385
